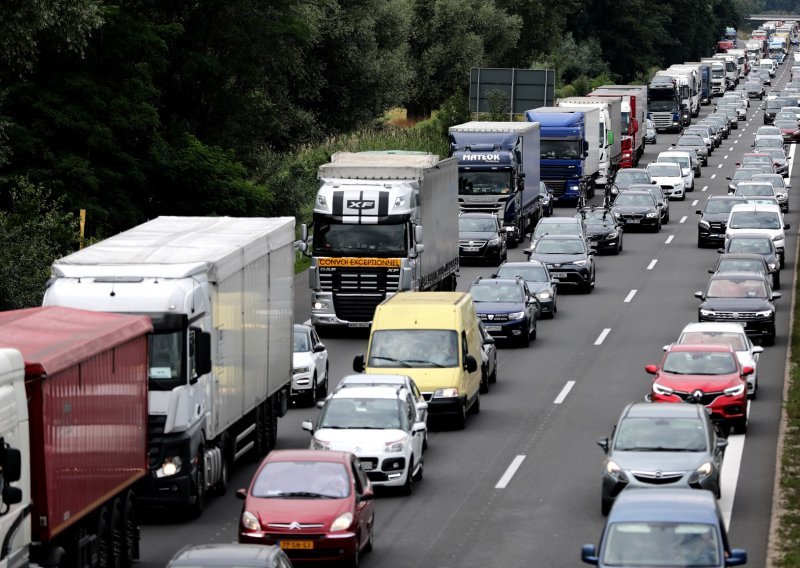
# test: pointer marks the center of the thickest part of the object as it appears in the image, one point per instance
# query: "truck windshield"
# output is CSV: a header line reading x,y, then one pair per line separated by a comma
x,y
717,73
355,240
166,355
484,183
560,150
668,105
395,348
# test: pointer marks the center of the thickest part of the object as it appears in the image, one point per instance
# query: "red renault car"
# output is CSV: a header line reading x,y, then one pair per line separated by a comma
x,y
704,374
316,505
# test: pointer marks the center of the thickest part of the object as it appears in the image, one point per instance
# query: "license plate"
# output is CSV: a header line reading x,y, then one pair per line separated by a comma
x,y
558,274
366,465
633,220
297,544
471,249
358,324
493,327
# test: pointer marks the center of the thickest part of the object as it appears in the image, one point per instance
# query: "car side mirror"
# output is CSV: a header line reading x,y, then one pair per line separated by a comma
x,y
729,179
747,371
489,340
358,363
241,494
589,554
419,427
776,295
699,295
786,226
757,349
420,406
664,347
603,443
653,182
721,251
592,252
711,271
307,426
470,364
319,348
699,211
737,557
651,369
722,443
527,252
319,404
367,495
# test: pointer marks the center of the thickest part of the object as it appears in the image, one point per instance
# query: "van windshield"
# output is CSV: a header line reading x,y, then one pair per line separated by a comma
x,y
395,348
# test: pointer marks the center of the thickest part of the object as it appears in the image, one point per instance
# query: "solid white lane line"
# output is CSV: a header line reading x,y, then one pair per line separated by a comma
x,y
512,469
683,219
669,239
712,177
564,392
630,296
652,264
602,336
694,202
729,476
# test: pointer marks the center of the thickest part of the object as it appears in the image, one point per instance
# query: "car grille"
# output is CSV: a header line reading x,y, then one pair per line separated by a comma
x,y
734,315
295,526
479,244
482,207
357,307
658,477
705,399
717,227
667,186
372,463
493,317
627,216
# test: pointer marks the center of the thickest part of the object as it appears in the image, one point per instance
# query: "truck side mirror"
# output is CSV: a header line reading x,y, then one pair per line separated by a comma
x,y
11,463
418,234
202,352
302,244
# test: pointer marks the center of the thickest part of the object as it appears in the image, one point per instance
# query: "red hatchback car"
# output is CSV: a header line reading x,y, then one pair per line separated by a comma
x,y
704,374
316,505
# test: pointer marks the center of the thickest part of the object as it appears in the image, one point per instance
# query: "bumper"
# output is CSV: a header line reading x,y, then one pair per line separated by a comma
x,y
388,470
566,277
510,330
613,485
485,254
444,407
675,192
605,244
755,329
323,314
301,383
170,491
325,547
723,409
711,236
547,305
644,222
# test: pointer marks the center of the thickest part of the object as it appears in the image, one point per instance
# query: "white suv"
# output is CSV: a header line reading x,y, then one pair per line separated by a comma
x,y
380,426
758,218
684,160
670,177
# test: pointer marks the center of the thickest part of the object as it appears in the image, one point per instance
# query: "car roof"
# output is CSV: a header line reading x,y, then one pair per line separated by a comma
x,y
666,505
223,555
729,197
632,170
523,263
740,256
712,326
551,220
562,237
635,192
307,455
756,207
374,379
650,410
764,236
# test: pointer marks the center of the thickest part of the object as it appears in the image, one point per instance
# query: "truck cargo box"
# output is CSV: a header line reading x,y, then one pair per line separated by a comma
x,y
86,383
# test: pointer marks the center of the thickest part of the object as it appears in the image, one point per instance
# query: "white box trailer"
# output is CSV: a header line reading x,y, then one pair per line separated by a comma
x,y
610,139
217,285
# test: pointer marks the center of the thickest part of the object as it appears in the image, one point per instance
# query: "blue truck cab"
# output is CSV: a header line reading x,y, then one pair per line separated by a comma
x,y
567,167
498,172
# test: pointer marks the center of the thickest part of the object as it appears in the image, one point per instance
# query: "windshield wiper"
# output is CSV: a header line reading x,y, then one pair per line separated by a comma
x,y
424,361
305,494
390,359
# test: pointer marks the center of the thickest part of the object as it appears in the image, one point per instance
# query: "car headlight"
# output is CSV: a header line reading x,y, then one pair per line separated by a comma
x,y
612,467
170,467
704,470
300,370
764,314
543,295
342,522
395,446
317,444
651,215
772,266
662,390
734,391
451,392
494,241
707,313
580,262
612,235
781,196
516,315
778,237
705,224
250,521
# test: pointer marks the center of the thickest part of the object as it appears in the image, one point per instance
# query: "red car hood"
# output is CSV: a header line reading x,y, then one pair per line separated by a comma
x,y
303,511
706,383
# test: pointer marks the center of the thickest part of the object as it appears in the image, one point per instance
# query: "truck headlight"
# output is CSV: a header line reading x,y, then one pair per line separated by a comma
x,y
342,522
250,521
734,391
451,392
319,305
395,446
662,390
317,444
170,467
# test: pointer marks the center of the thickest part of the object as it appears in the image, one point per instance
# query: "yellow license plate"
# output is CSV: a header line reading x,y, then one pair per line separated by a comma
x,y
297,544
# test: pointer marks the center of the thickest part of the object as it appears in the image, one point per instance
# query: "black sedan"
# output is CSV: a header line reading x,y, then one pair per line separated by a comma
x,y
539,282
714,218
569,260
481,238
637,209
602,228
741,297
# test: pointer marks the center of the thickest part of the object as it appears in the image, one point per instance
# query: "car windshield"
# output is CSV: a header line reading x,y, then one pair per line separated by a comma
x,y
746,188
776,154
786,124
301,342
754,246
664,170
661,435
302,480
734,340
721,205
743,174
477,225
632,177
769,143
496,293
699,363
775,180
753,86
682,162
765,159
595,216
556,229
690,141
786,116
740,265
754,220
363,414
548,246
413,348
645,544
628,200
723,288
533,273
768,131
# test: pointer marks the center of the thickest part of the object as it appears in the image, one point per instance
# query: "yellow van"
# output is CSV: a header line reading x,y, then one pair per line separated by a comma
x,y
433,337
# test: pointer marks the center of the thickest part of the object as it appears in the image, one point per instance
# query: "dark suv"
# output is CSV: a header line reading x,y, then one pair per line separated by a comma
x,y
481,238
714,218
507,308
772,108
568,258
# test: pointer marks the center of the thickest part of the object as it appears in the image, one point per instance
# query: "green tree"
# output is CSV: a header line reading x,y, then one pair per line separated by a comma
x,y
35,231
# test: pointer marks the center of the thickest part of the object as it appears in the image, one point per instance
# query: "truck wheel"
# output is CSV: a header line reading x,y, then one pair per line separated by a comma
x,y
130,535
199,482
262,434
116,532
221,487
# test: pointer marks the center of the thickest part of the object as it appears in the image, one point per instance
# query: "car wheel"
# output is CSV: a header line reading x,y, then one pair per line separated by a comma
x,y
666,218
769,340
323,388
484,388
776,281
605,506
371,539
782,260
683,196
718,490
420,471
621,239
739,427
493,376
311,395
700,242
697,173
525,340
408,486
535,329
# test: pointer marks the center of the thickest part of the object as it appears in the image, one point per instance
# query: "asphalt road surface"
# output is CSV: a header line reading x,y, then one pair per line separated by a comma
x,y
551,403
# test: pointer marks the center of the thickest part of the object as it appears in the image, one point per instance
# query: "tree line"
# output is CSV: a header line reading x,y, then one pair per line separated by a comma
x,y
136,108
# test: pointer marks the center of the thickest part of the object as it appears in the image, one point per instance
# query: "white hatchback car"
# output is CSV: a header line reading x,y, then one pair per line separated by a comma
x,y
756,218
670,177
380,426
684,160
726,333
309,364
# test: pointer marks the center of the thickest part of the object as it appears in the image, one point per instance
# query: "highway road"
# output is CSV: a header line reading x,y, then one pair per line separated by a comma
x,y
551,403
